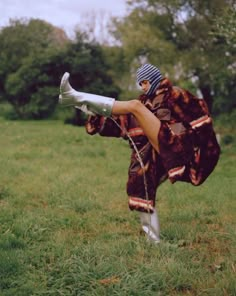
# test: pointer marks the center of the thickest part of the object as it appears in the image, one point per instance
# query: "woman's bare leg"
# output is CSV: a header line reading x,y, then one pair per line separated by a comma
x,y
147,120
105,106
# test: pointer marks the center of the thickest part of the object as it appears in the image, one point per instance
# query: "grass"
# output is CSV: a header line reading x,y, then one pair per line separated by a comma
x,y
65,228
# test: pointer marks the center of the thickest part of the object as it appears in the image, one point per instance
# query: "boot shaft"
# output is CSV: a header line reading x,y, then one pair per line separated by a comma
x,y
150,225
70,97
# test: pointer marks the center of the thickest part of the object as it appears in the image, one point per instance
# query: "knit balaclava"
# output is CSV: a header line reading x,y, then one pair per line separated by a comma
x,y
150,73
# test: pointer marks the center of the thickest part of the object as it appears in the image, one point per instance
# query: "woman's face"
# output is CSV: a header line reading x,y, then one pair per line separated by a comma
x,y
145,85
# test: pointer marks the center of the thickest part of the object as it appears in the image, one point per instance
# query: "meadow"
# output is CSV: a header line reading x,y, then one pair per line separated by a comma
x,y
65,226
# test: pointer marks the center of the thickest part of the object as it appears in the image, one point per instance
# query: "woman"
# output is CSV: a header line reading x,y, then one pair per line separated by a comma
x,y
171,129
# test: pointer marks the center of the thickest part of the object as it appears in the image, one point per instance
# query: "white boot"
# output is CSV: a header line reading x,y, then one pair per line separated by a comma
x,y
96,104
150,225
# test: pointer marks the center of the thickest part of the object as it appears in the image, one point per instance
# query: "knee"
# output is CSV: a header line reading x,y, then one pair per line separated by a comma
x,y
136,105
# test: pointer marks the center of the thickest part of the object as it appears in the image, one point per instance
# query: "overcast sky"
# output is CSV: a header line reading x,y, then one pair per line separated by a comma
x,y
66,14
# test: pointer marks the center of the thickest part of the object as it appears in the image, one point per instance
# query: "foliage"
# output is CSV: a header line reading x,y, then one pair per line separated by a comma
x,y
23,38
225,28
89,68
29,52
32,89
224,34
66,228
119,68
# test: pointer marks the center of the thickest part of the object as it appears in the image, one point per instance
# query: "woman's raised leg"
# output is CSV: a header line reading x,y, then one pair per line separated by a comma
x,y
147,120
107,106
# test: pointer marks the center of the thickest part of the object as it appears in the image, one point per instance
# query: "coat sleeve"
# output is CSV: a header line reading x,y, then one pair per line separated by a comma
x,y
106,126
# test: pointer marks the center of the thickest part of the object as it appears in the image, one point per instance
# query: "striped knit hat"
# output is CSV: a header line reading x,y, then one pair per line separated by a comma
x,y
150,73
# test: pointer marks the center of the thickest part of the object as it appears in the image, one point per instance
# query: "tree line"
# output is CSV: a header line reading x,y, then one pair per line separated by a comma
x,y
192,42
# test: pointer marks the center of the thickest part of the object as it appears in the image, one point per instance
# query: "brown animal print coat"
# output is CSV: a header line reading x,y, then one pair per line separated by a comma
x,y
188,147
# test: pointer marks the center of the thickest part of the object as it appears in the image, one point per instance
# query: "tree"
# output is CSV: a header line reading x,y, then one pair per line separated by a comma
x,y
23,38
142,40
176,36
119,70
225,28
33,88
25,46
224,33
34,57
89,68
31,52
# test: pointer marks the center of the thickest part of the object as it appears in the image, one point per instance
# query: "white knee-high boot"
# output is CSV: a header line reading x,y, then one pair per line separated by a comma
x,y
96,104
150,225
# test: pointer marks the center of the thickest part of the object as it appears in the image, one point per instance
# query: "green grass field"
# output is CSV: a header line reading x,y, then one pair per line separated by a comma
x,y
65,227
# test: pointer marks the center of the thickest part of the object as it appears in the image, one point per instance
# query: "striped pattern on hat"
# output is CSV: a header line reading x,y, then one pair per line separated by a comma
x,y
150,73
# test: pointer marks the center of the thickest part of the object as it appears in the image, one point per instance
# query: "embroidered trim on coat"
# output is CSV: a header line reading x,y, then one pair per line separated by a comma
x,y
139,203
200,121
137,131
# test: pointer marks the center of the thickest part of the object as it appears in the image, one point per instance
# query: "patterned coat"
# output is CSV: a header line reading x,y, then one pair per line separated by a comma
x,y
188,147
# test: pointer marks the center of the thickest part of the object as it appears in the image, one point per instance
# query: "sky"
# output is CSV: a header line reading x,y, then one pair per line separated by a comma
x,y
66,14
